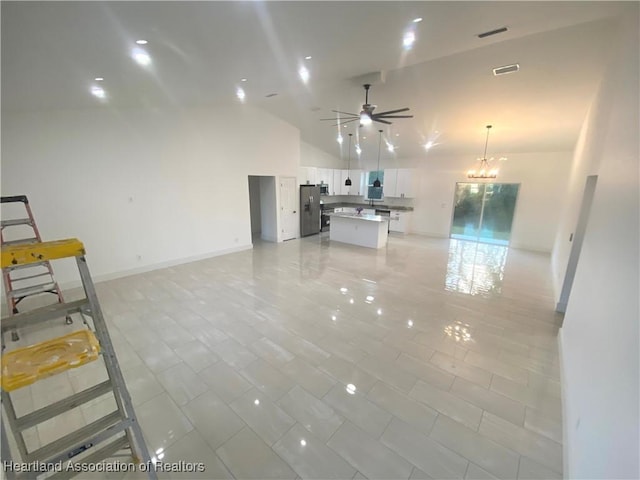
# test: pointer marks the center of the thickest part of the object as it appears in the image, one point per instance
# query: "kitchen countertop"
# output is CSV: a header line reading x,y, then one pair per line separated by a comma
x,y
365,217
366,205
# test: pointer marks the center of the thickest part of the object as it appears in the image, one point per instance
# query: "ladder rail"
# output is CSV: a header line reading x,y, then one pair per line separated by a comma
x,y
30,222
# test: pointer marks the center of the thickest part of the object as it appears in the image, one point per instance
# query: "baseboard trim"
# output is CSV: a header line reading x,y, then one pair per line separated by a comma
x,y
565,433
156,266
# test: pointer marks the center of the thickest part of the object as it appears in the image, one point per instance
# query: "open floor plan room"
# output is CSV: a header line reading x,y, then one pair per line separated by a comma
x,y
319,360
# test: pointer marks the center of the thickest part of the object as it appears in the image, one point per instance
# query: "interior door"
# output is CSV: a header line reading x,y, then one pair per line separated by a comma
x,y
288,207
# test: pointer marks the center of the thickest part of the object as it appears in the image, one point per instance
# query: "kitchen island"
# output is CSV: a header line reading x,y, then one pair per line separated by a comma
x,y
359,229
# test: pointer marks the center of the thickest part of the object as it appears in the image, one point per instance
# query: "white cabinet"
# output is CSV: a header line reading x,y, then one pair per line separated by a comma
x,y
399,182
307,175
325,175
406,183
356,182
399,221
390,180
337,184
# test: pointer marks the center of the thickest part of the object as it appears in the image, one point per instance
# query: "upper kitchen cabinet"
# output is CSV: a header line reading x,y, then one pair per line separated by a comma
x,y
356,182
307,175
325,175
399,182
337,185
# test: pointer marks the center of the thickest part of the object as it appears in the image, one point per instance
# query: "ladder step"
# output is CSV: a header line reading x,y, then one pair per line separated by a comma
x,y
107,451
33,290
80,438
14,198
15,221
20,241
23,254
62,406
27,265
43,314
30,277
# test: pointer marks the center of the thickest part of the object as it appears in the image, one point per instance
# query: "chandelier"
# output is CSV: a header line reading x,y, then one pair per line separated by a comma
x,y
484,171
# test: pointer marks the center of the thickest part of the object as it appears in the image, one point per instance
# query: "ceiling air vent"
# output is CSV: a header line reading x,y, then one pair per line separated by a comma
x,y
269,95
492,32
506,69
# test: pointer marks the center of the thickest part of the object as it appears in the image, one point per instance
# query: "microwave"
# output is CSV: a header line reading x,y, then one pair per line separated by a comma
x,y
324,189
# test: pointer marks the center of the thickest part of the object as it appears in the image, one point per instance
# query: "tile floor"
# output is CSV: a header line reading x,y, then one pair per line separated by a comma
x,y
431,358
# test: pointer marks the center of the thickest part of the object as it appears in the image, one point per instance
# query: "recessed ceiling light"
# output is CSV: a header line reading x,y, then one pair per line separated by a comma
x,y
308,57
408,40
99,79
417,20
141,42
358,149
397,134
243,79
303,442
351,389
99,92
240,94
428,145
141,57
304,74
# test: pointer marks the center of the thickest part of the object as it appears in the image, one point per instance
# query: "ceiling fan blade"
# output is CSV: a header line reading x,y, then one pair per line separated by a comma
x,y
393,116
346,113
381,121
393,111
345,122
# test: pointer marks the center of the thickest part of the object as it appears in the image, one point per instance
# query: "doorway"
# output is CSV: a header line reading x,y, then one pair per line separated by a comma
x,y
484,212
577,238
262,208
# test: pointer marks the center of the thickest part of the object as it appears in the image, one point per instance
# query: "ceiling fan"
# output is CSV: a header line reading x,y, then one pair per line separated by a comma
x,y
366,116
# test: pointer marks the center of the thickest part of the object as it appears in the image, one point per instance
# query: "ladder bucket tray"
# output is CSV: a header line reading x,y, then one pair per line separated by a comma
x,y
27,365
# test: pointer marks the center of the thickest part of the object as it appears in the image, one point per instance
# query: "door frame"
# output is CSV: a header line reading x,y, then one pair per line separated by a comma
x,y
576,239
294,225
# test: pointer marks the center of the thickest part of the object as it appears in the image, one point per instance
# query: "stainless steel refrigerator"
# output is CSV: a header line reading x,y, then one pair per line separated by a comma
x,y
309,210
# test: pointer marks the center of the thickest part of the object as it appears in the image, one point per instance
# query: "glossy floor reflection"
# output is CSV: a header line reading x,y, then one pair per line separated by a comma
x,y
430,358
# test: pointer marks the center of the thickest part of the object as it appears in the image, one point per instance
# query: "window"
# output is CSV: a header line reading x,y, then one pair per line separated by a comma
x,y
375,193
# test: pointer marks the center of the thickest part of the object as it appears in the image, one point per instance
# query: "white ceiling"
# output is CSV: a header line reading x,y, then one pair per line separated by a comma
x,y
52,51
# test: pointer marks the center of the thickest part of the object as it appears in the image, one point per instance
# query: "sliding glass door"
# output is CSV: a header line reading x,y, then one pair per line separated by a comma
x,y
484,212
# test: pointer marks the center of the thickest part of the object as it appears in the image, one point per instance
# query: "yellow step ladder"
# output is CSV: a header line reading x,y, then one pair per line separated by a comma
x,y
99,440
21,281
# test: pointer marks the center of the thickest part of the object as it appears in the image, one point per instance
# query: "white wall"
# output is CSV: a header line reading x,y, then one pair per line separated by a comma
x,y
600,336
144,188
311,156
542,178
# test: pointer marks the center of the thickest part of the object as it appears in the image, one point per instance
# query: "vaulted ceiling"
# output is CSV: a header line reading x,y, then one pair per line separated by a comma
x,y
201,51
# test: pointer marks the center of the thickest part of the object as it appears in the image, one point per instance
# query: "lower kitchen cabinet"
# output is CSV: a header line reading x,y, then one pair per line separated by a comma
x,y
399,221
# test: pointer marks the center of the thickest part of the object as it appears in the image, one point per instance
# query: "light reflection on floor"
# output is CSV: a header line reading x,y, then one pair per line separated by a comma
x,y
475,268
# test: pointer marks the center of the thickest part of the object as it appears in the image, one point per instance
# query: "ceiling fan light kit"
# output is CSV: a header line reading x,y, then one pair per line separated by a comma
x,y
484,171
366,115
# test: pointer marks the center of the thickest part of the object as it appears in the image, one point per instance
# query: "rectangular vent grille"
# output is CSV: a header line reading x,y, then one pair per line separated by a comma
x,y
492,32
269,95
506,69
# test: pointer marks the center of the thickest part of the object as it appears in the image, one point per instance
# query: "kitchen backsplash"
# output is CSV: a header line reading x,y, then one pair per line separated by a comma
x,y
392,202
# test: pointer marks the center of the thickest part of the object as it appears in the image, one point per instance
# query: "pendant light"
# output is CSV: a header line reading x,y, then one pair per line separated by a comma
x,y
484,171
347,182
377,183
